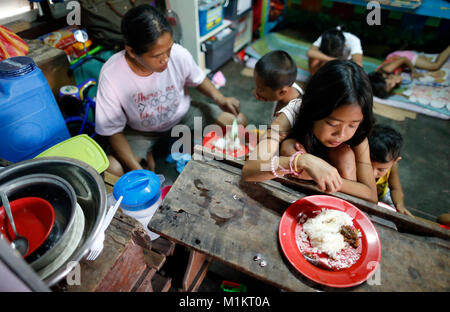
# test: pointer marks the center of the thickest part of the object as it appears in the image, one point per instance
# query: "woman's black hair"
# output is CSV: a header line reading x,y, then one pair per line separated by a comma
x,y
142,26
335,84
385,144
277,69
333,43
378,83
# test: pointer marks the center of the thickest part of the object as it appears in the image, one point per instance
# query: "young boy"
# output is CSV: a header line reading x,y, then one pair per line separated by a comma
x,y
385,144
275,75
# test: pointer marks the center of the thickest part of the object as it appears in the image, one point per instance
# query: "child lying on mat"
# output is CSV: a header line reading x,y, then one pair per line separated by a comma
x,y
385,144
388,74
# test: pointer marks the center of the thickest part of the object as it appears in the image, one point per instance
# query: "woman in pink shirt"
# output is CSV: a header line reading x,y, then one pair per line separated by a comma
x,y
142,91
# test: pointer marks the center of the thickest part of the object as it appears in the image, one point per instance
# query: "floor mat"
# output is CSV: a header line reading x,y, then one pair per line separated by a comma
x,y
429,95
297,49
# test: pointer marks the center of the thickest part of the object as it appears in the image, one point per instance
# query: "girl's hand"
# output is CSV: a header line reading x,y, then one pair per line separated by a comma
x,y
229,104
326,176
403,210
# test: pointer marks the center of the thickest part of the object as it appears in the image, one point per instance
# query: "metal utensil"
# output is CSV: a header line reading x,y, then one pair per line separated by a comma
x,y
19,243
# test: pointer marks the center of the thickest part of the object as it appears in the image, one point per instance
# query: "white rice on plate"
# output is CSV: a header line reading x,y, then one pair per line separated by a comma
x,y
324,231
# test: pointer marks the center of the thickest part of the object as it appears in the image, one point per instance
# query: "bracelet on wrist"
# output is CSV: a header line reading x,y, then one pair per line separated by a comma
x,y
295,162
292,161
274,169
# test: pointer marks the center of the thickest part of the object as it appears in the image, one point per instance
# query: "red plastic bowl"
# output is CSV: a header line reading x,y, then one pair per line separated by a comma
x,y
34,218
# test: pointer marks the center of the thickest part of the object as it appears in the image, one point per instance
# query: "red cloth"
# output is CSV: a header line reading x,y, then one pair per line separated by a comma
x,y
11,44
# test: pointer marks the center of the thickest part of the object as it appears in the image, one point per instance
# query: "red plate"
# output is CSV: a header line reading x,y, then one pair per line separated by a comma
x,y
243,135
370,243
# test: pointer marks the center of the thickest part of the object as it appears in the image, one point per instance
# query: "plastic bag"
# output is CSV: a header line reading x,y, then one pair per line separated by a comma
x,y
11,44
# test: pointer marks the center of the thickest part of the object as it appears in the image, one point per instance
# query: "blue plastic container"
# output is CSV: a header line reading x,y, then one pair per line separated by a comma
x,y
140,189
210,13
30,119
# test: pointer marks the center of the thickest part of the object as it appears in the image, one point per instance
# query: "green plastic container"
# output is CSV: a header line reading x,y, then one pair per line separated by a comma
x,y
80,147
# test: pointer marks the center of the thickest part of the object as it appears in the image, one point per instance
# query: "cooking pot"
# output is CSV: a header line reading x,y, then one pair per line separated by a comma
x,y
61,196
89,189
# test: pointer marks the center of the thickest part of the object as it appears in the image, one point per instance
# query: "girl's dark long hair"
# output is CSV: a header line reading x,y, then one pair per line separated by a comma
x,y
335,84
142,26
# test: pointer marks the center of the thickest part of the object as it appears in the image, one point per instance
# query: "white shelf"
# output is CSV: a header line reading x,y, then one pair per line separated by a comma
x,y
187,10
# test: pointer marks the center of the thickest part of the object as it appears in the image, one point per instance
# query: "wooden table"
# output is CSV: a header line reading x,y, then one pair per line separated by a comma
x,y
217,216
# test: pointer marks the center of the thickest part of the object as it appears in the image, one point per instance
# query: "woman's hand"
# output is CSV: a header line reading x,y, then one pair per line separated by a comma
x,y
229,104
326,176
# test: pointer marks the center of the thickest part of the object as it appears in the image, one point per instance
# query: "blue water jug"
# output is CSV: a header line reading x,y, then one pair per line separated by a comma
x,y
30,119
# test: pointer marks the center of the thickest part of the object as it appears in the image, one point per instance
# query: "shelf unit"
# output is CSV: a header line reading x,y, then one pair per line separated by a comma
x,y
244,35
187,11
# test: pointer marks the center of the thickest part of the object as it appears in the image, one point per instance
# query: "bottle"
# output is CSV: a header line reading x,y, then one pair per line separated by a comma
x,y
141,191
30,119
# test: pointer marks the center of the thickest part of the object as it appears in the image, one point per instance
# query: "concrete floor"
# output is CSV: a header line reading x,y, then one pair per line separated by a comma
x,y
424,171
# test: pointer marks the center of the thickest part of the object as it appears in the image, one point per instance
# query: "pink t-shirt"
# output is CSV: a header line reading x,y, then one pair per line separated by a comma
x,y
154,103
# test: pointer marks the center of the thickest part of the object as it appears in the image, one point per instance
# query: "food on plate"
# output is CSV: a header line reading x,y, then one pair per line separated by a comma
x,y
351,235
229,143
329,239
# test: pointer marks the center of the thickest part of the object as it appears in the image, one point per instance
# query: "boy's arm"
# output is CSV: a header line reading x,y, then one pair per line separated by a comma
x,y
396,190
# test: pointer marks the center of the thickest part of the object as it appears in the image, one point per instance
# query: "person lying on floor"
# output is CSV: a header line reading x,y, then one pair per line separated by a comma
x,y
142,91
327,141
388,75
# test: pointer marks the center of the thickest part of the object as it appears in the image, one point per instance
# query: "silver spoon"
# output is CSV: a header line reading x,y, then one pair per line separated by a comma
x,y
19,243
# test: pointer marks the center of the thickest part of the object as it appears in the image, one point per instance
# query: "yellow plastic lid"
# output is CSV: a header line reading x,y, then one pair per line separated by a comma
x,y
81,147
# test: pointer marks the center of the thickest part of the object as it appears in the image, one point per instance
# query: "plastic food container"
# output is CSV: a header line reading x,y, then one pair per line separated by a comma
x,y
210,13
141,191
80,147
